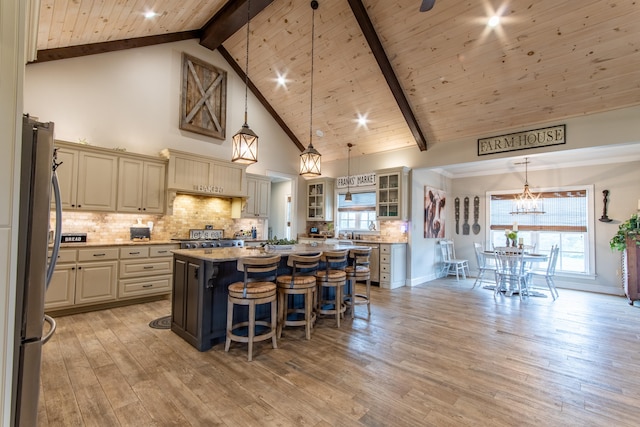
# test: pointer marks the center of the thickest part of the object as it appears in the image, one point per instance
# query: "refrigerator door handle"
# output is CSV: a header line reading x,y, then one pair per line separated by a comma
x,y
58,233
51,321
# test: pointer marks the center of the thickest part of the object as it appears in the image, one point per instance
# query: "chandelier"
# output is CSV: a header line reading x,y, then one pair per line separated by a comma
x,y
245,141
527,203
310,158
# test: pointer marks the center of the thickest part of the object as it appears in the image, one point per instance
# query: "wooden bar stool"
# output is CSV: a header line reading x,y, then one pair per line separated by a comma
x,y
302,281
333,277
257,288
358,271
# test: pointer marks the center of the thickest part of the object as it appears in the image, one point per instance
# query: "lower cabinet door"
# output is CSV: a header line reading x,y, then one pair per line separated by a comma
x,y
96,282
61,291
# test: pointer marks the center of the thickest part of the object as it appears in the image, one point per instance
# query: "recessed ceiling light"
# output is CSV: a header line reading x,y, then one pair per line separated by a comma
x,y
362,120
319,133
282,80
150,14
494,21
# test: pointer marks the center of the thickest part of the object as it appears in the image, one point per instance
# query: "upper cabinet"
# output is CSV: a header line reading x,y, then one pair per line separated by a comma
x,y
320,199
190,173
87,179
141,185
104,180
392,187
256,205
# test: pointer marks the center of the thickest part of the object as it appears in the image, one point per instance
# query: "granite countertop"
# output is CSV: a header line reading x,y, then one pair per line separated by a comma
x,y
233,254
116,243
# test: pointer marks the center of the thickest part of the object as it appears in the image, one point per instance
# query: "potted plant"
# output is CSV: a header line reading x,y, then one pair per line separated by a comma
x,y
628,229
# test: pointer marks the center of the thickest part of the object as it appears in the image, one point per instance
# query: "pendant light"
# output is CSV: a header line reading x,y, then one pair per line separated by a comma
x,y
347,197
245,141
310,158
527,203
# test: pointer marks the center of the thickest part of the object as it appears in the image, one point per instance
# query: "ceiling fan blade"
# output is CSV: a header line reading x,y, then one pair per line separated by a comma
x,y
426,5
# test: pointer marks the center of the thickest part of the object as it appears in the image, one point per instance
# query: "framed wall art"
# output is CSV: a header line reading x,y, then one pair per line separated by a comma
x,y
434,212
203,107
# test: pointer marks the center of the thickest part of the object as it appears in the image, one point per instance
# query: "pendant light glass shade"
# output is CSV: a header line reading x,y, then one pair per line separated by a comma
x,y
245,146
245,142
527,203
310,162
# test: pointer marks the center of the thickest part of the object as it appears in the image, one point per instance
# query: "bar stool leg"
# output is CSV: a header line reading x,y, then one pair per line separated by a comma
x,y
229,323
308,300
274,320
252,327
282,312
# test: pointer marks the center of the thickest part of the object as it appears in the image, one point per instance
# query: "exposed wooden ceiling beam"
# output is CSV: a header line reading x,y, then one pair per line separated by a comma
x,y
228,20
112,46
261,98
370,34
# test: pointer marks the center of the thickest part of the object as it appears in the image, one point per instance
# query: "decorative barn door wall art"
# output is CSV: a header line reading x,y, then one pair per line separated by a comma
x,y
203,108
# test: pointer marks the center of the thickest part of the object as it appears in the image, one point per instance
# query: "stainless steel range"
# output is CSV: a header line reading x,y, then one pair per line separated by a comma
x,y
201,239
210,243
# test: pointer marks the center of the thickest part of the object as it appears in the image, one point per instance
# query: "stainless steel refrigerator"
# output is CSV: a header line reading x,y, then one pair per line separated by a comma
x,y
37,183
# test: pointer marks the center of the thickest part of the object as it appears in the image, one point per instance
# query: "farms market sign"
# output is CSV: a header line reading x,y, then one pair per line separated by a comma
x,y
544,137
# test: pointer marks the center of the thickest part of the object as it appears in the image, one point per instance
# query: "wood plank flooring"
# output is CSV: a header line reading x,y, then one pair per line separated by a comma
x,y
439,354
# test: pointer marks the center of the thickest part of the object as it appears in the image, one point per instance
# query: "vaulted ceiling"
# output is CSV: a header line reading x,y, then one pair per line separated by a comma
x,y
420,79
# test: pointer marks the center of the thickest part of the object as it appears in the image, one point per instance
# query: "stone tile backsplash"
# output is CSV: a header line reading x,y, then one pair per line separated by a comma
x,y
188,212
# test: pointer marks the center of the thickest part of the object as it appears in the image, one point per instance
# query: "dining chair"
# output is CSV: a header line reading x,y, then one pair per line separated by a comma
x,y
484,265
511,274
450,264
549,272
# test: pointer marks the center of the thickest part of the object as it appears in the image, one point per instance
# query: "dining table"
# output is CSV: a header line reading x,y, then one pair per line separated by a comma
x,y
528,258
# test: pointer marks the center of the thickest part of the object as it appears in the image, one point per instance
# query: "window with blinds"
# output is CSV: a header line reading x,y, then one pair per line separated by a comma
x,y
565,211
357,214
565,223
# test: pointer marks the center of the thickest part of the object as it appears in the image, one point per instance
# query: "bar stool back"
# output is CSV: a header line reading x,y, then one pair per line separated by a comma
x,y
332,278
358,271
301,281
257,288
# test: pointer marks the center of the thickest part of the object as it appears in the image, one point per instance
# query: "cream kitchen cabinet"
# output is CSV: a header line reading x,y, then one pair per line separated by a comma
x,y
320,199
391,197
256,205
62,289
145,271
191,173
83,277
393,269
141,185
87,178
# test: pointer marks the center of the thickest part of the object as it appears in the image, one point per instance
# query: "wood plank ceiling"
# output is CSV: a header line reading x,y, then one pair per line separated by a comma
x,y
547,60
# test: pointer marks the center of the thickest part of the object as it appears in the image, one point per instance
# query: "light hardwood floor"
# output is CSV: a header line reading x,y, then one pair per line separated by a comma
x,y
439,354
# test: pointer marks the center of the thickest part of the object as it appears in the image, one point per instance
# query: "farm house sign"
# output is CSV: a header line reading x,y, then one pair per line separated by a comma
x,y
544,137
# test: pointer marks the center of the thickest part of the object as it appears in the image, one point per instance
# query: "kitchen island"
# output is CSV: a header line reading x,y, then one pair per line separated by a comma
x,y
200,281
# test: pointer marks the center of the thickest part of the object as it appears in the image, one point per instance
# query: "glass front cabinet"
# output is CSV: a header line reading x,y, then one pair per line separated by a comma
x,y
391,186
320,199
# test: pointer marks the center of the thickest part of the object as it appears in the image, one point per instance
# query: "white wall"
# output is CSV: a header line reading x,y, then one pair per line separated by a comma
x,y
131,99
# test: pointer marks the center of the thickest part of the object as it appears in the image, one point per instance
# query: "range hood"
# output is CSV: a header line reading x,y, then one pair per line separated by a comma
x,y
203,176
